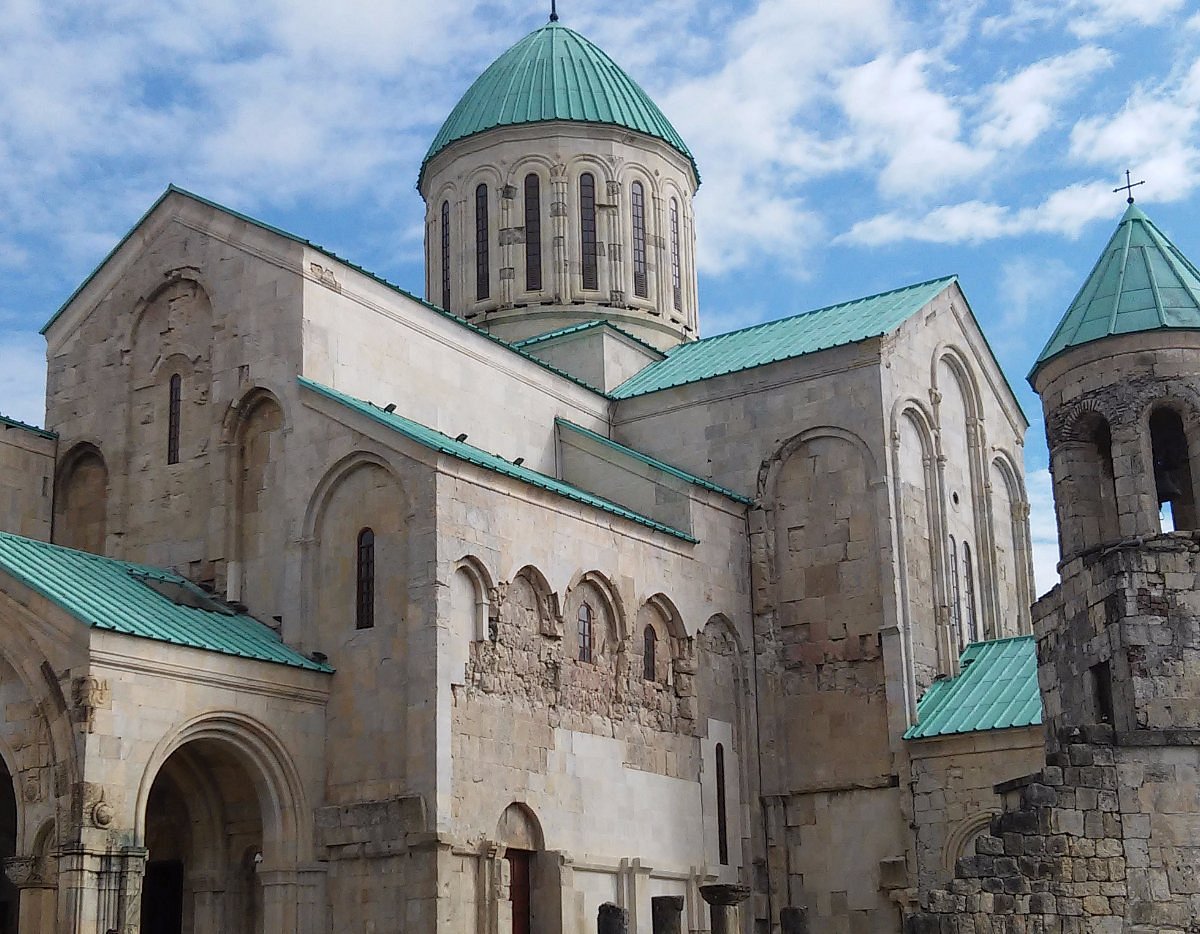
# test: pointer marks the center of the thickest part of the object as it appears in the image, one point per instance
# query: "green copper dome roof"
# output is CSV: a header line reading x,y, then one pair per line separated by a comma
x,y
554,74
1142,282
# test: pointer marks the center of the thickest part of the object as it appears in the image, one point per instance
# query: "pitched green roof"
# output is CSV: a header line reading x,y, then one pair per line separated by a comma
x,y
435,440
780,340
122,597
578,328
1142,282
32,429
554,74
655,462
996,688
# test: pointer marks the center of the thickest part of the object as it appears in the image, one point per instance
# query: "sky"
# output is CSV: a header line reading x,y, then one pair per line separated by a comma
x,y
845,147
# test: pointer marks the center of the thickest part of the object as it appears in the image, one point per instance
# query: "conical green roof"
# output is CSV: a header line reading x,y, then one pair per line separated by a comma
x,y
1142,282
554,74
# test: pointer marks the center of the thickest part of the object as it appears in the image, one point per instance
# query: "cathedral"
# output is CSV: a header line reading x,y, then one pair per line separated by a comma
x,y
331,607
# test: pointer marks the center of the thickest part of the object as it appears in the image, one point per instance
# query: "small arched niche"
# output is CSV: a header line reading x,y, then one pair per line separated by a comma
x,y
81,503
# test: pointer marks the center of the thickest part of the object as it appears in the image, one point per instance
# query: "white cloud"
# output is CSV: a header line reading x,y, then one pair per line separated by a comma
x,y
1024,283
1043,529
1023,106
1097,17
23,377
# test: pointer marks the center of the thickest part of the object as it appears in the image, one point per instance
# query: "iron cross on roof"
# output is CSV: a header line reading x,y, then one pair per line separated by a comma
x,y
554,11
1128,187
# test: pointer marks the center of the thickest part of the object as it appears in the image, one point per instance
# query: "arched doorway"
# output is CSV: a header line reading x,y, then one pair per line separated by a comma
x,y
9,894
204,834
530,894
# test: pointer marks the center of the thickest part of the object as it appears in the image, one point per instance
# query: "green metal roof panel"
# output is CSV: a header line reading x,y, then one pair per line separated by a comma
x,y
555,74
115,595
996,689
33,429
435,440
1142,282
783,339
655,462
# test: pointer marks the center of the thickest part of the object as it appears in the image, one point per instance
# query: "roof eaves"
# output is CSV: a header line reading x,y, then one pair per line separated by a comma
x,y
586,326
656,463
40,432
278,231
435,440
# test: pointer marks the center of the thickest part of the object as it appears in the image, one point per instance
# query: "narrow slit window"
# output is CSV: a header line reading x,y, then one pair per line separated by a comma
x,y
1102,691
955,592
649,650
641,287
971,632
676,266
446,254
533,233
173,414
483,272
365,606
586,620
587,231
722,816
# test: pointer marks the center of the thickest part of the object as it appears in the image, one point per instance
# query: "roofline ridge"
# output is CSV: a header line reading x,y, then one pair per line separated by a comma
x,y
1116,305
953,277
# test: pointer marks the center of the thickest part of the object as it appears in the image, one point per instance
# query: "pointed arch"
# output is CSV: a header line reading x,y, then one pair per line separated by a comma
x,y
81,499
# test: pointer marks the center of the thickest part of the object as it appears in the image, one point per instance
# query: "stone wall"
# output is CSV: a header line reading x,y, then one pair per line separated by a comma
x,y
26,480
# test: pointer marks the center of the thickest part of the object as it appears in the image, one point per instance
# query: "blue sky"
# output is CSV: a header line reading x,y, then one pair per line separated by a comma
x,y
846,148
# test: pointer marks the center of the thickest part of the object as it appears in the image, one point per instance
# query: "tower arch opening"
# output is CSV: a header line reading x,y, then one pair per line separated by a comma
x,y
1172,469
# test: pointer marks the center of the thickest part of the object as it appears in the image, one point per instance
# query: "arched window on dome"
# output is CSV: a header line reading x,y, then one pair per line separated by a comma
x,y
445,254
637,205
587,231
482,269
533,233
676,266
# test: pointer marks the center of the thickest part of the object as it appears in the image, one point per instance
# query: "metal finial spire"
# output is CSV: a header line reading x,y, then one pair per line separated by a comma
x,y
554,11
1128,187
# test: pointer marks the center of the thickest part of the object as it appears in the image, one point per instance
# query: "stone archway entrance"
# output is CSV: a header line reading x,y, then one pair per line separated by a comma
x,y
204,834
534,898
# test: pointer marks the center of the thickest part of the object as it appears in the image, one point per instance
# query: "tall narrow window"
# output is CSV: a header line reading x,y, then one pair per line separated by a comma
x,y
970,631
586,618
1172,468
176,392
364,617
649,647
533,233
483,273
955,592
446,254
587,231
638,207
676,268
722,816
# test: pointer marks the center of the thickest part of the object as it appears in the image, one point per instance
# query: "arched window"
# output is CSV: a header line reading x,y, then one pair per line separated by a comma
x,y
637,202
365,605
722,816
586,619
446,254
1172,468
483,273
955,592
970,632
175,395
533,233
587,231
676,267
649,645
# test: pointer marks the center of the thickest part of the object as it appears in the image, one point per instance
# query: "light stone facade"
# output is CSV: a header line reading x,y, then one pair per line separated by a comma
x,y
779,536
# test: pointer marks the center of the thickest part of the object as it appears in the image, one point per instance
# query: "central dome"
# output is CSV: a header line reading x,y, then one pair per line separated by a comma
x,y
555,74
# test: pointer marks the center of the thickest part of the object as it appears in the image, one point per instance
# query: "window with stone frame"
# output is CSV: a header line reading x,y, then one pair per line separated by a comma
x,y
589,253
676,264
1172,470
970,627
955,594
533,233
446,254
722,808
649,654
585,632
364,617
483,270
637,205
175,395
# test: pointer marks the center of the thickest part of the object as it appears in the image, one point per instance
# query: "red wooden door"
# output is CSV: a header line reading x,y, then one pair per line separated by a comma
x,y
518,889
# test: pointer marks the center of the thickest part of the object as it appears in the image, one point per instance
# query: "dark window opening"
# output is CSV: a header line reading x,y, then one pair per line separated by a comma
x,y
176,393
1172,467
971,629
587,231
676,269
533,233
364,617
955,593
586,618
446,254
641,287
649,647
483,274
722,816
1102,691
